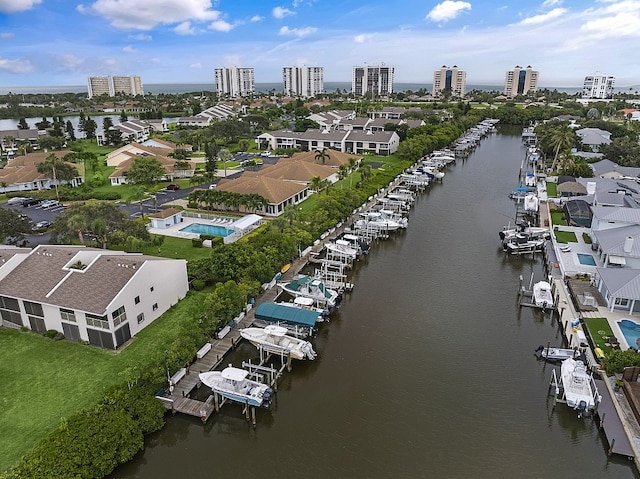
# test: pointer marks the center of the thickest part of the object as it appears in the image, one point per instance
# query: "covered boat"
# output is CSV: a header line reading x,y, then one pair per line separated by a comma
x,y
274,339
314,288
233,383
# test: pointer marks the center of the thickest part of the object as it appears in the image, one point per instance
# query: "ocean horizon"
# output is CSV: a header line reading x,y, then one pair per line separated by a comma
x,y
178,88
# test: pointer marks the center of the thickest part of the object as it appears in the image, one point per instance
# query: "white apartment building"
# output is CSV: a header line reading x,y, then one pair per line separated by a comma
x,y
303,81
111,85
598,86
520,81
448,79
235,82
377,79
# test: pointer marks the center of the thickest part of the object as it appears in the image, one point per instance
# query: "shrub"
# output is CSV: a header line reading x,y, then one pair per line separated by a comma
x,y
196,242
50,333
198,284
205,237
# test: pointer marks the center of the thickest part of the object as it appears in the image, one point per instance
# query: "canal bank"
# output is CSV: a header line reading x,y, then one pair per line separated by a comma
x,y
427,369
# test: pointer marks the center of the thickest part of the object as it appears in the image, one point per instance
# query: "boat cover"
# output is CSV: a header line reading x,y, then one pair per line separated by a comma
x,y
291,314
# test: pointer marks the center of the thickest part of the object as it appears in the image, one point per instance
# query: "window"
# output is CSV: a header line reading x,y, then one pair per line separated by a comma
x,y
621,302
97,321
140,318
11,317
34,309
119,316
136,300
155,306
67,315
9,303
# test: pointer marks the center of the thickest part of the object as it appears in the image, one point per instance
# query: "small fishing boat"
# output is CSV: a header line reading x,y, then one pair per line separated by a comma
x,y
314,288
542,295
557,355
522,244
579,389
531,203
233,383
274,339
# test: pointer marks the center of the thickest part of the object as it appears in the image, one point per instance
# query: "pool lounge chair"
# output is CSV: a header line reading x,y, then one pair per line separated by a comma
x,y
565,249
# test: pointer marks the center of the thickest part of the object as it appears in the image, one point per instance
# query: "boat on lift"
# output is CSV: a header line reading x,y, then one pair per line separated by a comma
x,y
314,288
557,355
542,295
577,387
274,339
234,384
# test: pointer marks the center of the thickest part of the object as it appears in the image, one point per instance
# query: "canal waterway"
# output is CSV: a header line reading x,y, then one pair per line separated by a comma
x,y
427,371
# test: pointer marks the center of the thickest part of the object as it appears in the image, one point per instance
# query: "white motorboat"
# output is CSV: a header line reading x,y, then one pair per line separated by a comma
x,y
274,339
232,383
314,288
357,242
557,355
532,232
531,203
542,295
522,244
379,221
530,180
579,388
341,248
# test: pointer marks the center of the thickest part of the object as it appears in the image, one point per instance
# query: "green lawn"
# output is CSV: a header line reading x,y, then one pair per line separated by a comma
x,y
566,237
44,381
552,189
557,218
599,328
177,248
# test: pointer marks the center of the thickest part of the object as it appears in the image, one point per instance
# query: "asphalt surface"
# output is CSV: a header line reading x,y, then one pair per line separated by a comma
x,y
151,205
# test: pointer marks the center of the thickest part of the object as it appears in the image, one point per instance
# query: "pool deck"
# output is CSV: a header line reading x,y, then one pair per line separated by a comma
x,y
174,230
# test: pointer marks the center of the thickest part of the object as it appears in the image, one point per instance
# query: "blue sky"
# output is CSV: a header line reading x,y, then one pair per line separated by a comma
x,y
62,42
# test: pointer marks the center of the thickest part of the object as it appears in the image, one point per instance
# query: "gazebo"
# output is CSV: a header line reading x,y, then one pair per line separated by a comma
x,y
572,188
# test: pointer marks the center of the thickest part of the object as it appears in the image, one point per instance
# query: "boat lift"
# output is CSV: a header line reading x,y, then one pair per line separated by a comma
x,y
556,388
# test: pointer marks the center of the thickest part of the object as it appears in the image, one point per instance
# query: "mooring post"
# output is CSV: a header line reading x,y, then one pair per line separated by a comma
x,y
253,416
216,403
613,441
246,410
289,362
604,414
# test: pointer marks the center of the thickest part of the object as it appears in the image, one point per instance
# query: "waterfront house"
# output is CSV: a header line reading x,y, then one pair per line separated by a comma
x,y
618,246
620,288
131,130
101,296
605,217
609,169
221,111
11,140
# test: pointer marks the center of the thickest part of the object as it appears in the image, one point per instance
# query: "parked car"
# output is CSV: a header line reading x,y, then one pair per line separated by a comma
x,y
173,186
40,225
31,202
46,204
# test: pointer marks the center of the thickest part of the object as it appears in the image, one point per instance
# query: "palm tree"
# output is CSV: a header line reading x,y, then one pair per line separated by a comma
x,y
343,171
562,138
322,155
365,172
315,184
77,223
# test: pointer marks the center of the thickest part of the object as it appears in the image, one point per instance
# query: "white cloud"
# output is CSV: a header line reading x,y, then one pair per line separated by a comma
x,y
142,37
544,17
447,10
221,26
551,3
15,66
13,6
146,14
256,18
297,32
281,12
69,62
615,20
6,34
196,65
362,38
185,28
129,49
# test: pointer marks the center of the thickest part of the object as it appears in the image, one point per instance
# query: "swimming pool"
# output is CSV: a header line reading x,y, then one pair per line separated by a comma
x,y
631,331
202,229
586,259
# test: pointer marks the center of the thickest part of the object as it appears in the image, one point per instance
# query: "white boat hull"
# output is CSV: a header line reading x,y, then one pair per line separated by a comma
x,y
278,342
237,387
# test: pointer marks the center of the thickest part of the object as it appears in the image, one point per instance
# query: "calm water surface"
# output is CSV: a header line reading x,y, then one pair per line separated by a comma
x,y
427,370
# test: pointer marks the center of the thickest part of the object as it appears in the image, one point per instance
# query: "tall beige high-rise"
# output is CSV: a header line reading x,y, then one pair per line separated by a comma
x,y
111,85
520,81
448,79
377,79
